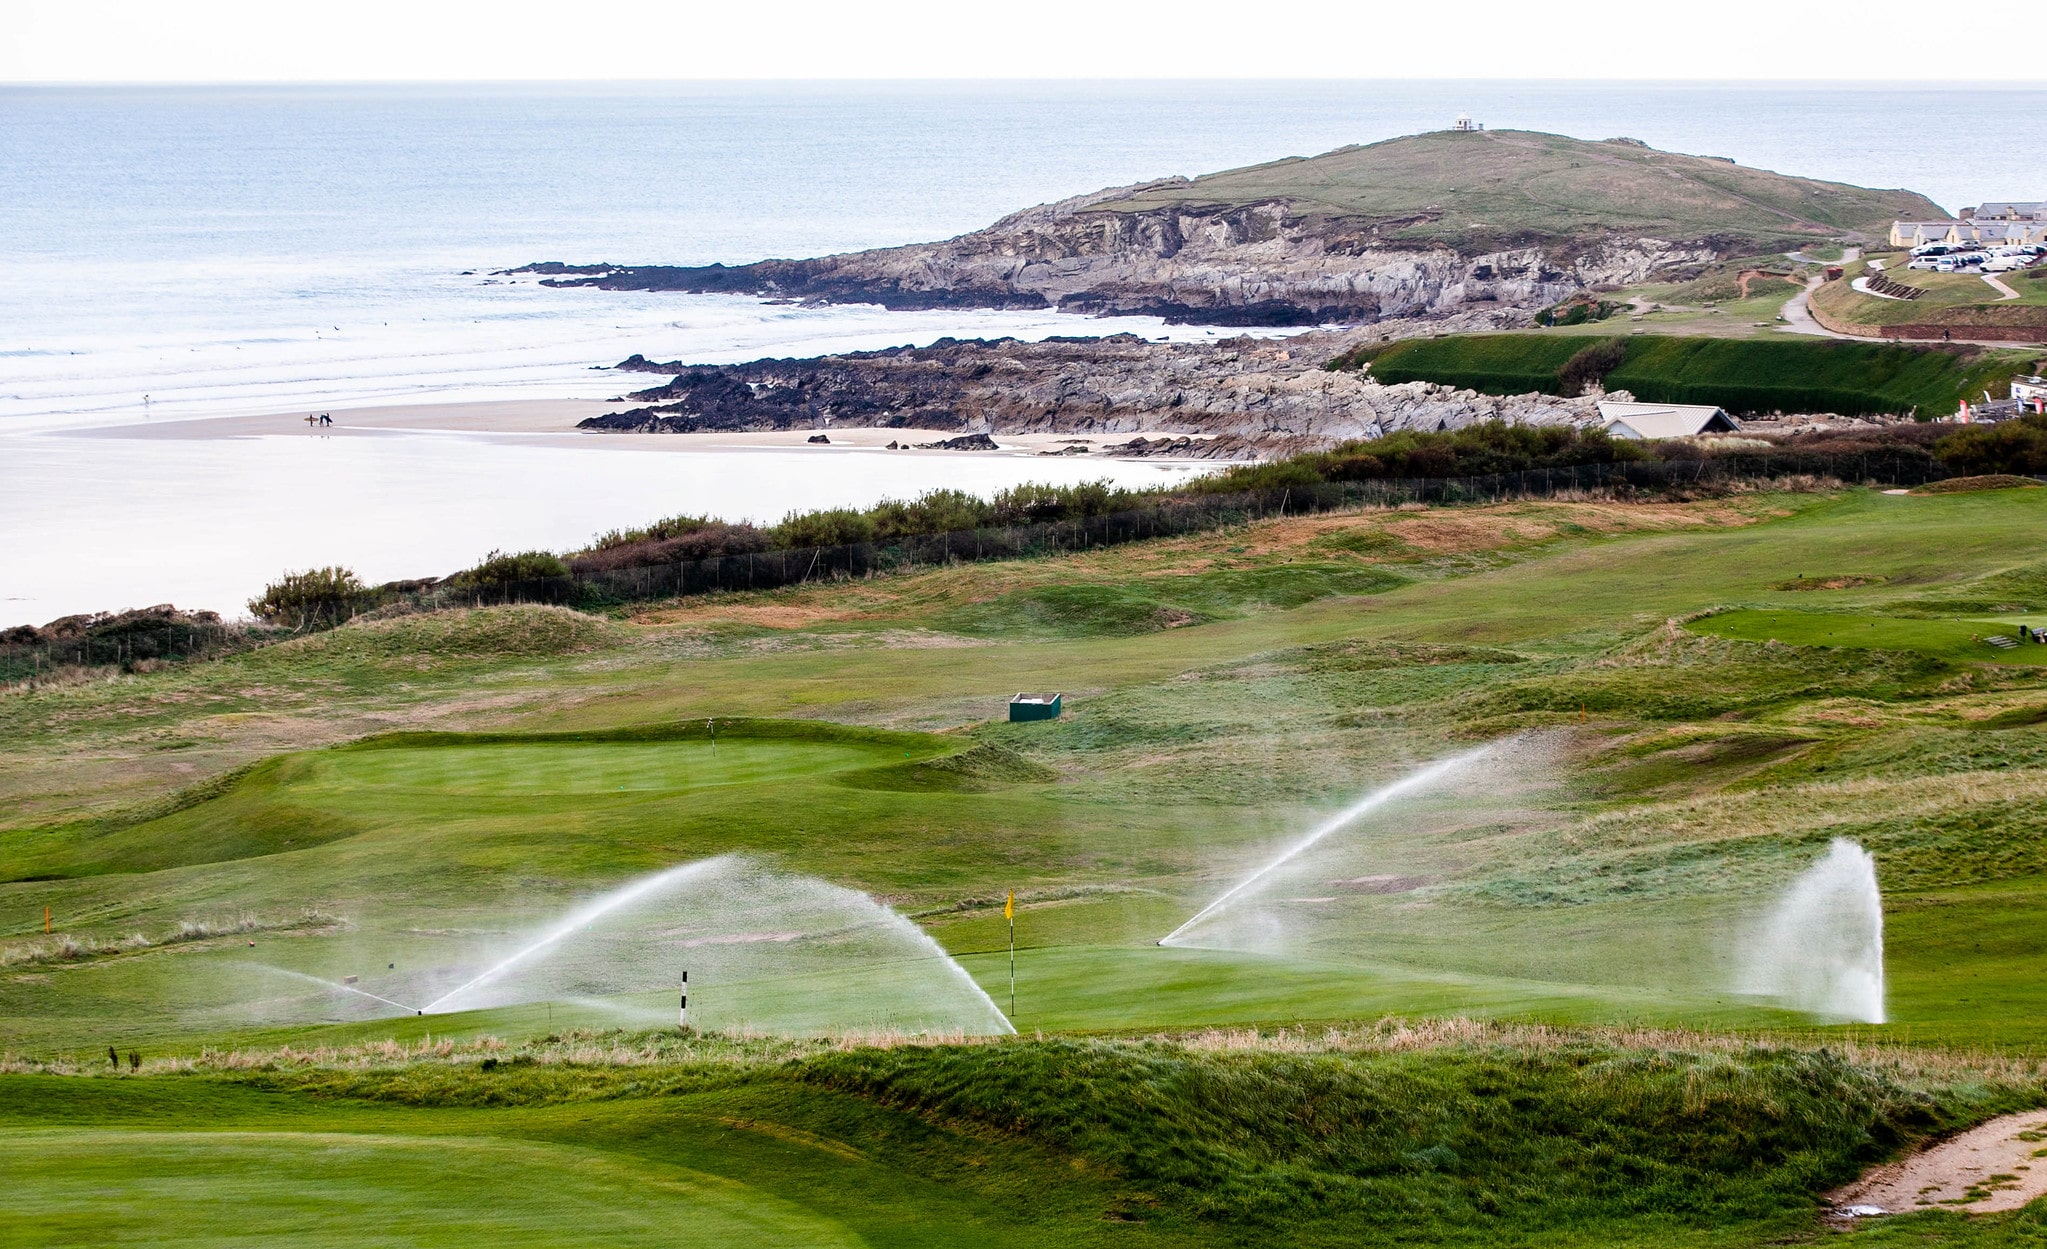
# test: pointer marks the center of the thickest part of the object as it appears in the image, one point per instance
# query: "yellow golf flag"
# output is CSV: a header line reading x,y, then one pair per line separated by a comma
x,y
1009,907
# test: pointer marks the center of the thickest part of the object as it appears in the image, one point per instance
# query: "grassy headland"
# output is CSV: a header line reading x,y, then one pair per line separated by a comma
x,y
1494,186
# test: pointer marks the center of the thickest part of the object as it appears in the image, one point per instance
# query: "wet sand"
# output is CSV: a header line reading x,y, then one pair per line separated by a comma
x,y
528,419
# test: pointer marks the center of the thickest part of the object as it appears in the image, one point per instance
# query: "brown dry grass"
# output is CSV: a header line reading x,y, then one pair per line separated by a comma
x,y
1388,1035
1413,533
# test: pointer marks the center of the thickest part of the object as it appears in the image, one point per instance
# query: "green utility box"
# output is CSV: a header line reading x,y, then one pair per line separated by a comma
x,y
1035,707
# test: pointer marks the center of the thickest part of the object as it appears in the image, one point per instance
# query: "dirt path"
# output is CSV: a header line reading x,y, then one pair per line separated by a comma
x,y
1798,317
1999,1166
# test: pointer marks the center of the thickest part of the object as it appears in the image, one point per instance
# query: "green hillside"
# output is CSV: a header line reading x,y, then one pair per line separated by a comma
x,y
1745,376
1453,186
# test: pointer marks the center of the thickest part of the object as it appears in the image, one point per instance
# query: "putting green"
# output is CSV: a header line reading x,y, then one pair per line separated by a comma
x,y
535,769
1949,639
224,1189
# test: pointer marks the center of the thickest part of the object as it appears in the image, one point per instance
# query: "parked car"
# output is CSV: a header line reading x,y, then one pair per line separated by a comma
x,y
1923,262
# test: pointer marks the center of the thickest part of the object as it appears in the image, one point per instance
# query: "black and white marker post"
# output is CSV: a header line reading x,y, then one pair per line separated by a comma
x,y
682,1008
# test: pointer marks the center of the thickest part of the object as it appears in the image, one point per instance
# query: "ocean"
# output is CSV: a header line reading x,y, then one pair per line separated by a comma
x,y
250,250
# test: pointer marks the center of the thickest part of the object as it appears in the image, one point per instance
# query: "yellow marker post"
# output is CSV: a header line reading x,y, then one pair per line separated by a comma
x,y
1009,913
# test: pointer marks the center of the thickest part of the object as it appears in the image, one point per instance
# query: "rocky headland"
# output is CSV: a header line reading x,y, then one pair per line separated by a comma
x,y
1240,398
1418,226
1428,234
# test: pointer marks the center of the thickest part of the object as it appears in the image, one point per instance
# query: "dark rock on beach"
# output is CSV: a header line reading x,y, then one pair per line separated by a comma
x,y
1238,398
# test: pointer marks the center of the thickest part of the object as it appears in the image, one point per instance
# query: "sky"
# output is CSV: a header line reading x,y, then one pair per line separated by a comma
x,y
493,40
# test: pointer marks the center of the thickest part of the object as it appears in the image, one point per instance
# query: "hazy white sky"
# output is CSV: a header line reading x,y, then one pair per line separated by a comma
x,y
326,40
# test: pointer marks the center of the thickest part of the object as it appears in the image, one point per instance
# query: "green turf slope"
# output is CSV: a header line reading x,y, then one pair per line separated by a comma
x,y
1745,376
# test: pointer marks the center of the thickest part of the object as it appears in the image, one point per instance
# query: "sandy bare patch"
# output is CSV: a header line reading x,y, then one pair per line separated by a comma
x,y
1999,1166
1448,533
760,615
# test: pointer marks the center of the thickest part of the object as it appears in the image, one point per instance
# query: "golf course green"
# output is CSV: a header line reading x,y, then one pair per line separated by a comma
x,y
1514,1006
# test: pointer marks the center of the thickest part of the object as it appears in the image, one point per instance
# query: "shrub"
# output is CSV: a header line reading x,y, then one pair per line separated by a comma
x,y
499,568
1036,503
2017,446
315,594
838,526
1578,312
659,531
672,541
935,511
1590,366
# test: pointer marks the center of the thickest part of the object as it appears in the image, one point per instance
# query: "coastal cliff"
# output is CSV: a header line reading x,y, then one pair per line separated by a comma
x,y
1419,226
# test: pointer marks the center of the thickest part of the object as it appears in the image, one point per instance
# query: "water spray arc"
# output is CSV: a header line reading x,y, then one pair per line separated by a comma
x,y
334,984
581,918
792,954
1412,783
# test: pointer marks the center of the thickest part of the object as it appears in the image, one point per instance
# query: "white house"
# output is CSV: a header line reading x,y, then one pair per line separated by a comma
x,y
1641,421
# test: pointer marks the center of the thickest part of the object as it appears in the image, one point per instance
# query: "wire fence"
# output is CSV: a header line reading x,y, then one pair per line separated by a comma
x,y
770,570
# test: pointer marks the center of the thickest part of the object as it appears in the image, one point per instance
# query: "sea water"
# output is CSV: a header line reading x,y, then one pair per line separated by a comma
x,y
257,249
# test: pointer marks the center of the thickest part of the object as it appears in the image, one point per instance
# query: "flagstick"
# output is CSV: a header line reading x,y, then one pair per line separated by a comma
x,y
1012,966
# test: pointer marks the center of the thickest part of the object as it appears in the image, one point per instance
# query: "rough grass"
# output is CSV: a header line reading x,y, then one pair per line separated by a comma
x,y
1398,1133
523,631
1969,485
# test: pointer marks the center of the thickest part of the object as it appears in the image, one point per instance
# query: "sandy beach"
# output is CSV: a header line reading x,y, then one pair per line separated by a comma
x,y
422,489
523,420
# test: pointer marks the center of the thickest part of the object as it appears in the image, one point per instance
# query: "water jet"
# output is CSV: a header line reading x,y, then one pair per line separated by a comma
x,y
1820,947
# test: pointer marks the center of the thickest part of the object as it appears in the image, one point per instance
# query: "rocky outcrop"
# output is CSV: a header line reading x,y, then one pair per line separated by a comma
x,y
1260,264
1251,397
